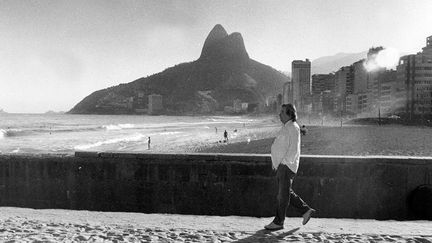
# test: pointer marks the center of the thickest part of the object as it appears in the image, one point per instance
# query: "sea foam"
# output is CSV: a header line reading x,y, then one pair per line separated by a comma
x,y
118,126
3,133
10,132
134,138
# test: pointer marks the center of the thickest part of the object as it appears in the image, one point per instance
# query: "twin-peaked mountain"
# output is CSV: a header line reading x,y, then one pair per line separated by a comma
x,y
223,73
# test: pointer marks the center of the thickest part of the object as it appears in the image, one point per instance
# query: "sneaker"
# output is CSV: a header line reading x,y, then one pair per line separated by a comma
x,y
273,226
308,215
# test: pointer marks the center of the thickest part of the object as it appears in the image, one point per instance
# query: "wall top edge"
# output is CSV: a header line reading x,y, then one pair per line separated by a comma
x,y
368,156
38,155
260,157
220,156
210,156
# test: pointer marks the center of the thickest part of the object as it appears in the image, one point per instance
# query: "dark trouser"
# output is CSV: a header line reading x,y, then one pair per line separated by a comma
x,y
285,178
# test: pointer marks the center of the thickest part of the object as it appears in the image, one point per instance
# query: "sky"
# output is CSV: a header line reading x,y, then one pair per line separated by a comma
x,y
53,53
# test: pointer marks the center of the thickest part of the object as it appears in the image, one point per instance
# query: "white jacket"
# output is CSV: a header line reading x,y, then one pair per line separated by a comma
x,y
286,147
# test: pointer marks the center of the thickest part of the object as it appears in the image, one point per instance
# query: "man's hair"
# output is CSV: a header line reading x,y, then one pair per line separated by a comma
x,y
291,111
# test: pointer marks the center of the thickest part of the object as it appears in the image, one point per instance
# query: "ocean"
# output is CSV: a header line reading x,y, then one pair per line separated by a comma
x,y
67,133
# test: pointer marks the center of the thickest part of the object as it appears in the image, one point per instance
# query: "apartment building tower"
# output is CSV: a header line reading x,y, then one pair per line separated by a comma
x,y
323,82
415,71
301,84
287,93
155,105
343,86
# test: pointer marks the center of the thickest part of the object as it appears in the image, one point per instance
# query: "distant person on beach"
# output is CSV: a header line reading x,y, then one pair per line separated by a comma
x,y
226,136
285,154
303,130
148,143
216,129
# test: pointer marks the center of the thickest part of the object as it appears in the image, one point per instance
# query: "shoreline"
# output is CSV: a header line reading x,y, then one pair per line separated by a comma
x,y
349,140
120,134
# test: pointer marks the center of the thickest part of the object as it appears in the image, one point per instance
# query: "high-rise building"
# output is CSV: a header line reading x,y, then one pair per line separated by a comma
x,y
415,71
155,104
140,102
343,86
363,102
350,80
327,101
323,88
301,84
352,104
373,87
317,103
341,77
389,93
360,77
323,82
322,103
287,93
365,86
373,75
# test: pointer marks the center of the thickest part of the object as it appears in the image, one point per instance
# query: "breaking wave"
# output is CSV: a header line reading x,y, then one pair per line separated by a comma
x,y
118,126
39,130
134,138
11,133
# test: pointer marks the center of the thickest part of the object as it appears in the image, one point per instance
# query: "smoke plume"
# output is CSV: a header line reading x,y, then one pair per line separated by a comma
x,y
387,58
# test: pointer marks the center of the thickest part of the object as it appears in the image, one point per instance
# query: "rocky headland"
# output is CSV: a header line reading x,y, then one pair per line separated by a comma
x,y
223,73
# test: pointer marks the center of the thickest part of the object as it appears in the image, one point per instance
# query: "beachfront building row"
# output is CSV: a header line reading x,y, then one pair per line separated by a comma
x,y
362,92
415,72
349,91
353,90
374,92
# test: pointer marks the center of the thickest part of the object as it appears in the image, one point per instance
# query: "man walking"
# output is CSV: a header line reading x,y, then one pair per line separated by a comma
x,y
285,154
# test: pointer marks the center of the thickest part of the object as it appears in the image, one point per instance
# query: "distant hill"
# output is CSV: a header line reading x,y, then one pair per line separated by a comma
x,y
287,73
223,73
328,64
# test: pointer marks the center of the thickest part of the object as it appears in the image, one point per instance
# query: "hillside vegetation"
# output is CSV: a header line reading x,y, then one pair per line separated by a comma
x,y
223,72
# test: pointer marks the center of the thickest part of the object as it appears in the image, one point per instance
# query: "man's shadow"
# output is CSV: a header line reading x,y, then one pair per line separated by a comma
x,y
266,235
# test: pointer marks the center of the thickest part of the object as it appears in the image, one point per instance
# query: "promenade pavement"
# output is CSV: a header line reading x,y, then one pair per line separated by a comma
x,y
54,225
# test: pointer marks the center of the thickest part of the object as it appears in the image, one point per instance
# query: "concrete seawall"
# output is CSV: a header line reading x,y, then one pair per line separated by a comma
x,y
211,184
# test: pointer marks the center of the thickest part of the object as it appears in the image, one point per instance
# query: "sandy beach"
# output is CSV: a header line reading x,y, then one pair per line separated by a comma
x,y
202,134
392,140
55,225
